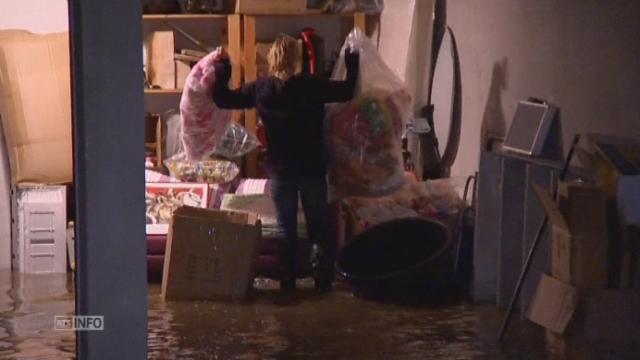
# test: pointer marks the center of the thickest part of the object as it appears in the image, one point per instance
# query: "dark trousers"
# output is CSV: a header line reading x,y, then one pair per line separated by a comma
x,y
312,191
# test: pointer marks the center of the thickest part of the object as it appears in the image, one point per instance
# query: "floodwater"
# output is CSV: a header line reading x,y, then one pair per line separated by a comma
x,y
273,325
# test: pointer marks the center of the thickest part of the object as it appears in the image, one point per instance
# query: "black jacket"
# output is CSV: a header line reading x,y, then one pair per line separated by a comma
x,y
292,112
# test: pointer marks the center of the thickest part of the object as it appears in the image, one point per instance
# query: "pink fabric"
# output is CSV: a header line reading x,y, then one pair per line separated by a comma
x,y
203,123
253,186
156,177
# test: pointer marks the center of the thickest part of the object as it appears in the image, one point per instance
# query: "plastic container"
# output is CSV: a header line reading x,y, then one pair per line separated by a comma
x,y
405,260
39,231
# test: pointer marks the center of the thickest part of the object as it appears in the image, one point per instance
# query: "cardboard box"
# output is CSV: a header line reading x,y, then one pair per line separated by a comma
x,y
182,71
35,105
270,7
613,315
160,62
578,235
612,158
210,254
615,164
553,304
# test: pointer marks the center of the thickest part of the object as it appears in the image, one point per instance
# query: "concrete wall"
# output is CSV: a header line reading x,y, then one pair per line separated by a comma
x,y
583,55
40,16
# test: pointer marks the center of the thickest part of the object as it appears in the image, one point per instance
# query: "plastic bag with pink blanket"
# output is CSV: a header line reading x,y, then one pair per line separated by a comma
x,y
206,128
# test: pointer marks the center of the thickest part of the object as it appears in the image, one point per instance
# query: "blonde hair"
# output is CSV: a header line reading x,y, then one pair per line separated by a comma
x,y
282,56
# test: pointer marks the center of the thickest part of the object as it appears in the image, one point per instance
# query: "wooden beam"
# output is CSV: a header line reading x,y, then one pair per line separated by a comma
x,y
250,74
108,126
234,33
360,21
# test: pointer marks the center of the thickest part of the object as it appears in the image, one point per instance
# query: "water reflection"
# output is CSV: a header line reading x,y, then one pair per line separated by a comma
x,y
305,325
28,305
273,325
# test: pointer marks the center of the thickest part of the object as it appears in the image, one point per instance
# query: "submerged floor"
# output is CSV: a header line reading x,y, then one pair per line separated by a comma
x,y
272,325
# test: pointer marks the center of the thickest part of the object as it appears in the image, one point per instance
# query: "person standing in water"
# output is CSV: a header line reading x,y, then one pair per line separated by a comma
x,y
291,107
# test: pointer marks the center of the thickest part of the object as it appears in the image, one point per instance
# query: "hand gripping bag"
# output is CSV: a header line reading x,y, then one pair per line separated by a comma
x,y
364,135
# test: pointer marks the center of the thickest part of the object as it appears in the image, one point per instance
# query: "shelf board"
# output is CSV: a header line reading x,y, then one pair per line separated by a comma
x,y
183,16
163,91
303,14
224,16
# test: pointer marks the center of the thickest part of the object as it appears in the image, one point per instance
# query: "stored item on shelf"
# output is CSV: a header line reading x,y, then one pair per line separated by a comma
x,y
182,72
188,59
365,133
271,7
160,62
313,52
159,6
211,171
369,7
201,6
203,123
35,105
197,53
210,255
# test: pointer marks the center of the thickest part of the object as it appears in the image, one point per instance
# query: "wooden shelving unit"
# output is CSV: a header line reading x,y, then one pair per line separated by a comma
x,y
185,16
171,97
241,45
163,91
250,68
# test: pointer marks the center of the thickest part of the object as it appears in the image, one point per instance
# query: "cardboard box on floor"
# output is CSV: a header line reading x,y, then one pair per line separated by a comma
x,y
579,263
210,254
578,234
35,105
553,304
615,164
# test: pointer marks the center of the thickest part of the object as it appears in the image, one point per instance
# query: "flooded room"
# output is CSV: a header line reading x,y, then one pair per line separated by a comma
x,y
319,179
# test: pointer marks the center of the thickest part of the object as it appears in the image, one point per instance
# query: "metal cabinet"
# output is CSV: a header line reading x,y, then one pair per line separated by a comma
x,y
507,218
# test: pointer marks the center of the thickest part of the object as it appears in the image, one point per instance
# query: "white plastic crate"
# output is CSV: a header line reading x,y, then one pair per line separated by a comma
x,y
39,228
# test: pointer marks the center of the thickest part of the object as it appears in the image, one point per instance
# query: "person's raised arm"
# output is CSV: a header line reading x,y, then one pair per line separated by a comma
x,y
340,91
225,98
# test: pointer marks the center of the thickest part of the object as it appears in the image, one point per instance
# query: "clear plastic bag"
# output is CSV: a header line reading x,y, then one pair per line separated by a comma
x,y
364,134
235,142
370,7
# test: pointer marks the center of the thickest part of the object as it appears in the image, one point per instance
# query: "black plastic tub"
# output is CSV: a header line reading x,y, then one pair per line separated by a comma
x,y
401,260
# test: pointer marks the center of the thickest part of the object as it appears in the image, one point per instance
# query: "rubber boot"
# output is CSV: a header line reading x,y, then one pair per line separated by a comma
x,y
287,267
322,267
